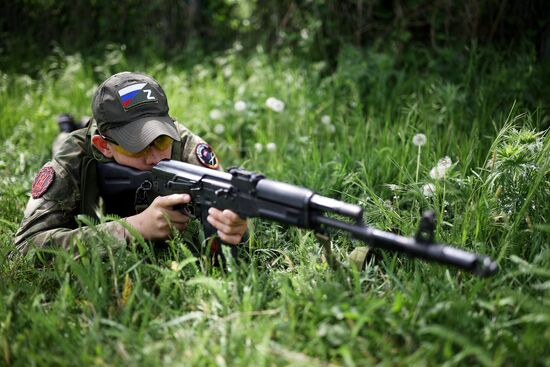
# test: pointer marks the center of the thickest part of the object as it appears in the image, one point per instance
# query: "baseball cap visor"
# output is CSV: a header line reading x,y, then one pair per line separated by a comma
x,y
137,135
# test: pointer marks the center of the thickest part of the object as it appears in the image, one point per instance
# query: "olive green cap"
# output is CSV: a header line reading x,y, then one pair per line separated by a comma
x,y
132,109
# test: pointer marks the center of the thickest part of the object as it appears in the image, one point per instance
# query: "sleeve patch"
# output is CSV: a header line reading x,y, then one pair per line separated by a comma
x,y
206,156
42,181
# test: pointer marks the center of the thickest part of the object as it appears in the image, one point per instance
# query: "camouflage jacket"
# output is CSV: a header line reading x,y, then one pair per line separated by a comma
x,y
71,189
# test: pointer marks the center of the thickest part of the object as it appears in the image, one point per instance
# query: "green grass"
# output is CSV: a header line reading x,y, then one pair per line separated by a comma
x,y
284,306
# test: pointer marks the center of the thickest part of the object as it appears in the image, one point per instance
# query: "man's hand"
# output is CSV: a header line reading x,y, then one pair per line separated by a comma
x,y
154,223
230,226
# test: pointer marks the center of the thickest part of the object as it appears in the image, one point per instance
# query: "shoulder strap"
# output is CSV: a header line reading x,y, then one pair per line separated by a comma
x,y
177,147
89,190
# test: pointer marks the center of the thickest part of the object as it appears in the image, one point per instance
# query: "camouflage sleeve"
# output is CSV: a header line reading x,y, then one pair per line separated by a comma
x,y
196,151
49,218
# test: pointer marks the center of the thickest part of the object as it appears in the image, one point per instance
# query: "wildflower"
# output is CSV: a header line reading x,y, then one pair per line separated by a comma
x,y
274,104
271,147
437,173
219,129
441,168
331,128
428,190
325,119
215,114
419,140
304,34
174,266
240,106
445,162
392,187
126,291
303,139
258,147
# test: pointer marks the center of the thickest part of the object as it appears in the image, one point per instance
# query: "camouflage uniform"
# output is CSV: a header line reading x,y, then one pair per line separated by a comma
x,y
50,220
71,188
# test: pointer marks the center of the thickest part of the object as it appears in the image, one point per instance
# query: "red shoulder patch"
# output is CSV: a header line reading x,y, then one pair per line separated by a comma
x,y
42,181
206,156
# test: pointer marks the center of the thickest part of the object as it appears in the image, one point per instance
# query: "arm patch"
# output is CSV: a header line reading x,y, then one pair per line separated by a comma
x,y
42,182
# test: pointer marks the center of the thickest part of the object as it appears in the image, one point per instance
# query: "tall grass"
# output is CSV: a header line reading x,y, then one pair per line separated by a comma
x,y
346,133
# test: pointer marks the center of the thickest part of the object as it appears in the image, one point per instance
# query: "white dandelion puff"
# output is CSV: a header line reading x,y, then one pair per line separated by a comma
x,y
419,140
215,114
219,129
325,119
240,106
258,147
440,170
174,266
271,147
275,104
445,162
392,187
331,128
428,190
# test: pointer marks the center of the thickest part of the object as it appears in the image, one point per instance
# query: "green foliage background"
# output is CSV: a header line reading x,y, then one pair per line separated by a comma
x,y
352,108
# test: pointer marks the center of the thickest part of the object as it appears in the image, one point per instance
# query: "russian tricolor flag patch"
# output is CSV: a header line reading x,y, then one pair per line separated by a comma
x,y
135,94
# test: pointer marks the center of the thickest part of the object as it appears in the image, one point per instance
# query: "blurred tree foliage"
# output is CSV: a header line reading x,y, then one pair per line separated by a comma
x,y
317,28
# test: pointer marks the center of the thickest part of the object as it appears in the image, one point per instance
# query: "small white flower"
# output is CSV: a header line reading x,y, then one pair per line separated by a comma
x,y
428,190
304,34
445,162
258,147
331,128
440,170
271,147
392,187
174,266
240,106
219,129
437,173
325,119
303,139
419,140
275,104
215,114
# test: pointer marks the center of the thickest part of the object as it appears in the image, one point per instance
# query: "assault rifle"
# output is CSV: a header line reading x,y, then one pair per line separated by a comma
x,y
251,195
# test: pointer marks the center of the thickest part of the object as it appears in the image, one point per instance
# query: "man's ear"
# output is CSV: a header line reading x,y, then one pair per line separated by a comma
x,y
102,145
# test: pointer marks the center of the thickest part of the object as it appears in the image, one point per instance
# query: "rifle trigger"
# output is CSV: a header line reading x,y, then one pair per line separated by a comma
x,y
141,200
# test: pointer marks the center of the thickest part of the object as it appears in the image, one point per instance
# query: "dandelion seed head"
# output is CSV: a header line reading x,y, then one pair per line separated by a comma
x,y
258,147
392,187
445,162
174,266
428,190
271,147
325,119
419,140
275,104
331,128
219,129
437,173
215,114
240,106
